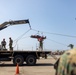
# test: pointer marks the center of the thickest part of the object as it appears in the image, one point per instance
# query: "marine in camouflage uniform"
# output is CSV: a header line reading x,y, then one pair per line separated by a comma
x,y
66,64
10,43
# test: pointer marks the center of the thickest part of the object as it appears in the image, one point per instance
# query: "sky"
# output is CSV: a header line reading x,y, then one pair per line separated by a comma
x,y
50,18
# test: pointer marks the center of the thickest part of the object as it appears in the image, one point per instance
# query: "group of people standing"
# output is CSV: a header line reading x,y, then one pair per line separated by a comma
x,y
3,44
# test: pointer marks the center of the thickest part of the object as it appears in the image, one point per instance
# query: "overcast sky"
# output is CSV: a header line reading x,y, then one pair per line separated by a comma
x,y
47,17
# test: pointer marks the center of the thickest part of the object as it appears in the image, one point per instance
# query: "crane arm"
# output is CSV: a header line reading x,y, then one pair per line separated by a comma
x,y
6,24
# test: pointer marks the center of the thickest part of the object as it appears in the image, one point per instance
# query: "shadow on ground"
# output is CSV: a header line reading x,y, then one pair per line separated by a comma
x,y
38,64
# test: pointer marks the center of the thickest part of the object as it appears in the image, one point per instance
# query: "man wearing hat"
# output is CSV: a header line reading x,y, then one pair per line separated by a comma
x,y
10,43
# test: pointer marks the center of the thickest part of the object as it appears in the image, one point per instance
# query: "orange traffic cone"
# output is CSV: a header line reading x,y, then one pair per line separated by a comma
x,y
17,69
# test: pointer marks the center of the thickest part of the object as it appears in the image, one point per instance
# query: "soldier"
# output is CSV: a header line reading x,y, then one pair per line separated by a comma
x,y
10,43
66,64
3,44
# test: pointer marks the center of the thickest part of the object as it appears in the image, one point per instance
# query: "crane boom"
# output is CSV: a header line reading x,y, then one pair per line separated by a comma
x,y
6,24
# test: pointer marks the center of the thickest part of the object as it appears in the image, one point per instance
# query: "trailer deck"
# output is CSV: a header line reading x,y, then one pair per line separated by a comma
x,y
20,57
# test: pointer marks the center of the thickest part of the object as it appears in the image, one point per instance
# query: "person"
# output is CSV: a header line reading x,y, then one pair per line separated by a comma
x,y
71,46
66,64
3,44
10,43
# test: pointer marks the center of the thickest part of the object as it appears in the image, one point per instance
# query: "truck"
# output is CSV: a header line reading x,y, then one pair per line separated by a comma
x,y
18,56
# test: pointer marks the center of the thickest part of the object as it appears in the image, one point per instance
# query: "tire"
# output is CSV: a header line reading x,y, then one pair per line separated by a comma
x,y
45,56
31,60
18,59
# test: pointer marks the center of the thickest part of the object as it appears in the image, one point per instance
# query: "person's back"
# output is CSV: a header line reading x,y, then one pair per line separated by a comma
x,y
3,43
67,63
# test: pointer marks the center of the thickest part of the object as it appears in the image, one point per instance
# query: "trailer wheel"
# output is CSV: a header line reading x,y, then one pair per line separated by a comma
x,y
18,59
31,60
45,56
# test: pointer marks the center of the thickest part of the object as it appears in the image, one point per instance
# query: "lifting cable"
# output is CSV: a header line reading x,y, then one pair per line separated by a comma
x,y
21,36
44,32
55,33
26,37
57,42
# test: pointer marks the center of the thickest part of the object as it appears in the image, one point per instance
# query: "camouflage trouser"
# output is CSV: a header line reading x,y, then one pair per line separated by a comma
x,y
41,45
4,46
10,47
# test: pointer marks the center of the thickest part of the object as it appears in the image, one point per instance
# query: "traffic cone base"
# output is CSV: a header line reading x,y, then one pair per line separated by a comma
x,y
17,70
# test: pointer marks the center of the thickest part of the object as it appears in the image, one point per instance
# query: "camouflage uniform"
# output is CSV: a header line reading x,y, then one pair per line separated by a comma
x,y
3,43
10,44
66,65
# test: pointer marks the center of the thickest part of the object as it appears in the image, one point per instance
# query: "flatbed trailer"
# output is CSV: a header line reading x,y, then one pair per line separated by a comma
x,y
19,57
